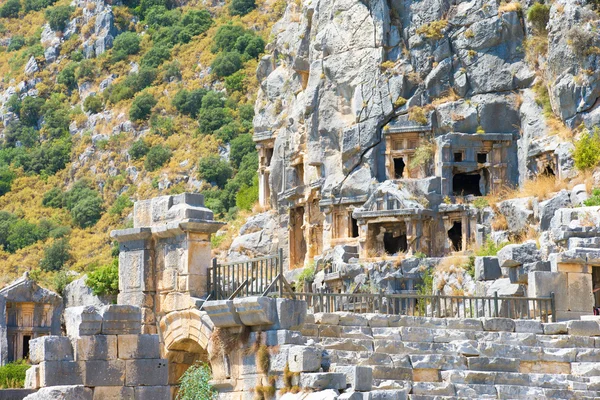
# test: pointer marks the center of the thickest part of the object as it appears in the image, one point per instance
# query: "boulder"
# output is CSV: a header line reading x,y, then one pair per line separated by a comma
x,y
487,269
514,255
548,208
518,213
77,293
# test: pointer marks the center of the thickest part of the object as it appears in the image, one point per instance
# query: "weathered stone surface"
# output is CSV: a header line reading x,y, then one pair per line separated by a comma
x,y
56,373
583,328
148,372
304,359
75,392
121,319
323,380
104,373
359,378
82,321
152,392
222,313
77,294
514,255
113,393
256,310
498,324
96,347
487,268
493,364
50,348
528,326
138,346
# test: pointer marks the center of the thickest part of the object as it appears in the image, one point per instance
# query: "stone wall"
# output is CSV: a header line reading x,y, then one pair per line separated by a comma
x,y
104,356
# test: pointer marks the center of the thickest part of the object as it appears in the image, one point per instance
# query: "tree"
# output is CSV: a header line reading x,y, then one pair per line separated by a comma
x,y
142,107
226,64
37,5
240,146
241,7
197,22
85,71
58,17
157,157
155,56
121,204
138,149
6,178
16,43
21,234
53,198
210,120
235,82
587,150
214,170
56,256
226,37
127,42
16,134
10,9
104,280
87,211
189,102
93,104
67,76
31,108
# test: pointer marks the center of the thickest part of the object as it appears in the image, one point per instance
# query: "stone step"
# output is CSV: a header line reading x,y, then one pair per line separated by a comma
x,y
546,381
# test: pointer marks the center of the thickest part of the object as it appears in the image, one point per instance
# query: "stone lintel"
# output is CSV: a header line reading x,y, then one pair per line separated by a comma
x,y
131,234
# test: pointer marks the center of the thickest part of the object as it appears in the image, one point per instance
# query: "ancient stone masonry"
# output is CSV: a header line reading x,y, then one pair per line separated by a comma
x,y
164,258
27,311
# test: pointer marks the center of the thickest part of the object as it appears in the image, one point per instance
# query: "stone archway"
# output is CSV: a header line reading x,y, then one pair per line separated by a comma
x,y
185,335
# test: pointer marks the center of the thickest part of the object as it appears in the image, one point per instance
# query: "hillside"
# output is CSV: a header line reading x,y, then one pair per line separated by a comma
x,y
104,104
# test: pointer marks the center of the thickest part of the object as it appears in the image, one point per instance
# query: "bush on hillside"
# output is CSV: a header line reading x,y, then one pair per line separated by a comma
x,y
56,256
214,170
539,15
241,7
587,150
196,22
240,146
142,107
104,280
7,176
127,42
189,102
210,120
37,5
67,76
93,104
122,203
87,211
226,64
58,17
31,110
157,157
226,36
10,9
85,71
155,56
162,126
16,134
138,149
594,199
16,43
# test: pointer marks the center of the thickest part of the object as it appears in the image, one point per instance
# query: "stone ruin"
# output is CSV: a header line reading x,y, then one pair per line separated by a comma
x,y
264,347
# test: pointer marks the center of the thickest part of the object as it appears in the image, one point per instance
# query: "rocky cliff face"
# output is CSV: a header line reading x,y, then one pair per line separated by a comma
x,y
343,75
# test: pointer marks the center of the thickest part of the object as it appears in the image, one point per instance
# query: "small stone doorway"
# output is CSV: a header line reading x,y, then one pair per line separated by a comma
x,y
466,184
296,238
455,236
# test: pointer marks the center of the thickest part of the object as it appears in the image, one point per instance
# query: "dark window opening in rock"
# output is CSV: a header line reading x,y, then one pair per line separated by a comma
x,y
394,244
268,157
455,236
548,171
353,227
596,284
465,184
481,158
458,157
398,167
26,339
300,174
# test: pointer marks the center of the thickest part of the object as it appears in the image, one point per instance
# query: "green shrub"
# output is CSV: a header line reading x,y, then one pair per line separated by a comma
x,y
16,43
240,146
155,56
214,170
12,375
14,104
67,76
122,203
235,82
87,211
118,92
226,64
85,71
171,71
226,36
57,116
539,15
162,126
194,384
21,234
159,16
189,102
142,107
210,120
30,112
16,133
146,5
587,150
93,104
196,22
157,157
247,196
7,176
138,149
140,80
56,256
10,9
241,7
60,280
37,5
594,199
490,248
127,42
58,17
104,280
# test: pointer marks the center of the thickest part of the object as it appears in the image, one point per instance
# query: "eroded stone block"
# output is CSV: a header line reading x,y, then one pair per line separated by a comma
x,y
56,373
255,311
323,380
121,319
222,313
50,348
152,392
304,359
146,372
138,346
82,321
104,373
113,393
97,347
70,392
359,378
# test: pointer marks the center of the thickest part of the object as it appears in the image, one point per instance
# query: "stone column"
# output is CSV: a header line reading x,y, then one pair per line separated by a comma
x,y
164,260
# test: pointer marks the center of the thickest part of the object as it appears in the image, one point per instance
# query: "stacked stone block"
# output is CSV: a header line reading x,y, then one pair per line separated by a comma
x,y
104,356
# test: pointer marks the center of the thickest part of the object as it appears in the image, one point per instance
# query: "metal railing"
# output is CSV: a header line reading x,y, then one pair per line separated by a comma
x,y
255,277
440,306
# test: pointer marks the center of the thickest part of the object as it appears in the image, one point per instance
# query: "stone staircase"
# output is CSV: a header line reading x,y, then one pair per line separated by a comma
x,y
427,358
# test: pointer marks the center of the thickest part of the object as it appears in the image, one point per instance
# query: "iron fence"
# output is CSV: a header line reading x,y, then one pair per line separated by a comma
x,y
440,306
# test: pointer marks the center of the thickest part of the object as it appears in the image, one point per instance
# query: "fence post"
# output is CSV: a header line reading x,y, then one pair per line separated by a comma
x,y
280,265
553,307
215,281
496,304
